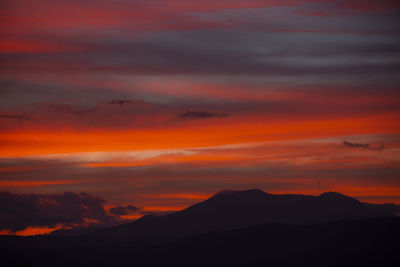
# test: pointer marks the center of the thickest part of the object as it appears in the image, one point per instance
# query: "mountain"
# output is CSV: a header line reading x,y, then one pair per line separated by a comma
x,y
237,209
361,242
247,228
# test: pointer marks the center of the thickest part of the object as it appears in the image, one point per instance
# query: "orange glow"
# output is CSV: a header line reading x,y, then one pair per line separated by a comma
x,y
367,191
32,231
114,164
67,141
154,208
131,216
37,231
167,159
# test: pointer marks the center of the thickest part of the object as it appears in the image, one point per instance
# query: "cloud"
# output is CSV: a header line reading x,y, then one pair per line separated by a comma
x,y
17,117
63,107
130,209
124,210
199,114
215,38
120,102
360,145
20,211
79,108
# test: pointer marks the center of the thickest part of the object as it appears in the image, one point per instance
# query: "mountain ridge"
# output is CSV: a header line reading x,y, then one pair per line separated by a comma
x,y
230,209
356,242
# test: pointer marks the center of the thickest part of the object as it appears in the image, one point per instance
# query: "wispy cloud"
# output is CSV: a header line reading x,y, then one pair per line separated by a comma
x,y
201,114
361,145
14,116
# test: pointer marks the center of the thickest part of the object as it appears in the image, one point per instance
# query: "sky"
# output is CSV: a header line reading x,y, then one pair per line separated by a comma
x,y
110,110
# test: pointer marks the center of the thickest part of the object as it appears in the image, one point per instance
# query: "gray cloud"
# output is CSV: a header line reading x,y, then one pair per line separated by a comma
x,y
14,116
122,102
62,106
234,52
124,210
360,145
79,109
200,114
19,211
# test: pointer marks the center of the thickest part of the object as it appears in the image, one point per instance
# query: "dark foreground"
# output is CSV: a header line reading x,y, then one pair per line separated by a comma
x,y
362,242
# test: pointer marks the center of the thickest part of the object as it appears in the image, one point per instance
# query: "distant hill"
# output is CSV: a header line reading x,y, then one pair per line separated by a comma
x,y
237,209
231,228
362,242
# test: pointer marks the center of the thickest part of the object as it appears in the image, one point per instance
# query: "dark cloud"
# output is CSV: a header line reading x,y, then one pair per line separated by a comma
x,y
66,107
124,210
61,106
120,102
13,164
346,143
16,117
200,114
19,211
228,53
82,112
360,145
236,41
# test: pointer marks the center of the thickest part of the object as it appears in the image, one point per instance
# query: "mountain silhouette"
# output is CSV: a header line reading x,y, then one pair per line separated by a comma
x,y
237,209
361,242
232,228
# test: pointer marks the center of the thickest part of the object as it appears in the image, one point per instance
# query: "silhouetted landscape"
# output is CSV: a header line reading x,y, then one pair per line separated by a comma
x,y
245,228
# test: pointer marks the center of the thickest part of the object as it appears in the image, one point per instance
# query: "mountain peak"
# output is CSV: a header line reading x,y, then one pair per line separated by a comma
x,y
230,209
334,196
331,193
239,194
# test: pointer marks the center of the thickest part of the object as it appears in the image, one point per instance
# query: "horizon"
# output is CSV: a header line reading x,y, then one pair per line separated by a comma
x,y
128,218
111,110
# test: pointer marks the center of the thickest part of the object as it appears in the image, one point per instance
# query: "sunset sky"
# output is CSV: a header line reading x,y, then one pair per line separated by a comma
x,y
149,106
